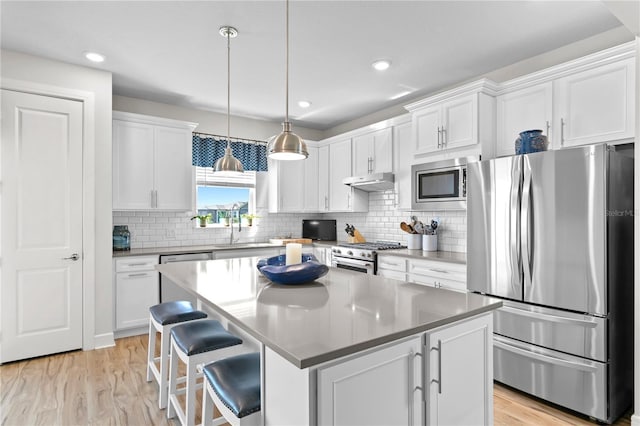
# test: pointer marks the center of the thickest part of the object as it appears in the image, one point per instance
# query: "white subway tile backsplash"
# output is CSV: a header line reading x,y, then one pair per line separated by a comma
x,y
381,223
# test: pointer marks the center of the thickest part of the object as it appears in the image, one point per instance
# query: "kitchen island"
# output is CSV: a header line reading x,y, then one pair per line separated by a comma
x,y
353,348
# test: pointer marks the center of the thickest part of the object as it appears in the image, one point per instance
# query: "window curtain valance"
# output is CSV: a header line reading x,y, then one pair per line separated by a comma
x,y
206,150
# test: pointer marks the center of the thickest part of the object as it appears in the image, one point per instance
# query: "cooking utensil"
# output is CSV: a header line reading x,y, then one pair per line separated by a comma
x,y
419,227
434,225
406,228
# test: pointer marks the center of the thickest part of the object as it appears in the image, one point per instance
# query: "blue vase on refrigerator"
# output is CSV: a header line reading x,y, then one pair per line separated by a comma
x,y
551,233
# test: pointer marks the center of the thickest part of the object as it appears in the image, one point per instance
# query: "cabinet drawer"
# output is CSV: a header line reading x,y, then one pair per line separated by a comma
x,y
392,263
396,275
449,271
137,263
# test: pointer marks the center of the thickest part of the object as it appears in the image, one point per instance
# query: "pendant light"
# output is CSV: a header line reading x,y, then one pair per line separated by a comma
x,y
287,145
228,165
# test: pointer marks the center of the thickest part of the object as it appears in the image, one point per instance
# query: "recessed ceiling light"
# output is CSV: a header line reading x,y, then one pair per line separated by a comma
x,y
94,57
381,64
304,104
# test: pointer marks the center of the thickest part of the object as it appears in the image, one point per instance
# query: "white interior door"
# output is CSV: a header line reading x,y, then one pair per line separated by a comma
x,y
41,287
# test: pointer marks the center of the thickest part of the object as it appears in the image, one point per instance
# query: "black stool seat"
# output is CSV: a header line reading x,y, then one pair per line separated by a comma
x,y
236,381
202,336
174,312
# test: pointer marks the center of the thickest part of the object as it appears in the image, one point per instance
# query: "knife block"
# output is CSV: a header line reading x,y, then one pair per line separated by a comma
x,y
357,237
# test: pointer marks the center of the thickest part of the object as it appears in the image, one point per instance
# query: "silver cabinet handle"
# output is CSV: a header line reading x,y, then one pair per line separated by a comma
x,y
73,257
326,202
138,275
439,137
439,381
441,271
444,137
151,200
548,127
562,123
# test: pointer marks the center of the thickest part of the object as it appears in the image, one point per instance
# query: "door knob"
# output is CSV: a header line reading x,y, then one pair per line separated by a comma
x,y
73,257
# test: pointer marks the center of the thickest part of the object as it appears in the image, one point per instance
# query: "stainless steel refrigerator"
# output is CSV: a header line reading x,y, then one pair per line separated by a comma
x,y
552,234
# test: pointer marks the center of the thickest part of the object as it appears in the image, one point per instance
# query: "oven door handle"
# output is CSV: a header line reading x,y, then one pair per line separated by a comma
x,y
339,260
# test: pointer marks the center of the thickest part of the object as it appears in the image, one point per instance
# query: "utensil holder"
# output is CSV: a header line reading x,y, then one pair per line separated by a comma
x,y
429,243
414,241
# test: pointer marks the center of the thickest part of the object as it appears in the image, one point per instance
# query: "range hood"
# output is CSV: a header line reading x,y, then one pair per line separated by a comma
x,y
372,182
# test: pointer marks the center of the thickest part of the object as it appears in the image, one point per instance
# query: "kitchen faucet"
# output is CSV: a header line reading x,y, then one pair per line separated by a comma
x,y
235,205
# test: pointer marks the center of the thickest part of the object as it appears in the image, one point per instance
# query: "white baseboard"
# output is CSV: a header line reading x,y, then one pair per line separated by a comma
x,y
103,341
635,420
131,332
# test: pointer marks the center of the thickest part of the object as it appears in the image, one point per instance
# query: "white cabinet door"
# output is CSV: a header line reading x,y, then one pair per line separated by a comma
x,y
133,167
595,106
174,174
459,373
310,198
402,159
459,122
395,370
524,109
136,292
373,152
426,129
152,163
339,168
323,178
293,186
136,289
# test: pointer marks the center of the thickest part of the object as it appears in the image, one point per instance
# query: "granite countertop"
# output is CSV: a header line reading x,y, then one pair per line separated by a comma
x,y
342,313
441,256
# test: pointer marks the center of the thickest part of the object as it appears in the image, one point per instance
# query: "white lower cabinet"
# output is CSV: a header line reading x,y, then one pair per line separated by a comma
x,y
441,377
378,388
323,254
136,290
459,374
434,273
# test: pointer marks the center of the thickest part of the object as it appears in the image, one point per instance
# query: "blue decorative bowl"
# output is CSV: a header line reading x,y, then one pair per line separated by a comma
x,y
276,271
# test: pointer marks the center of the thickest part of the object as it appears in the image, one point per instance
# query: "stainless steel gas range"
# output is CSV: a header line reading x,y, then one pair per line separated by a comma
x,y
360,257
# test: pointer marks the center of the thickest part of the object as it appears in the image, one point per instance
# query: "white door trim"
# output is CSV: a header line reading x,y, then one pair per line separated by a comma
x,y
88,192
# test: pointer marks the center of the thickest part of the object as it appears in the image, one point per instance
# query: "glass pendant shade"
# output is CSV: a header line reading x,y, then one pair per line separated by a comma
x,y
287,145
228,164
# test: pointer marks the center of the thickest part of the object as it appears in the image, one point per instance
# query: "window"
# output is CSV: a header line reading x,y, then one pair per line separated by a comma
x,y
223,196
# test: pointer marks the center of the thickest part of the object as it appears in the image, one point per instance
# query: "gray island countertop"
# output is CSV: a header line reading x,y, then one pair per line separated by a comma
x,y
342,313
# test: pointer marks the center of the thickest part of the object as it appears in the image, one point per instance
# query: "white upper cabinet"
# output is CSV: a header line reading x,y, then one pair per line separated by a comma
x,y
293,185
597,105
402,164
373,152
460,118
588,100
343,198
525,109
151,163
323,178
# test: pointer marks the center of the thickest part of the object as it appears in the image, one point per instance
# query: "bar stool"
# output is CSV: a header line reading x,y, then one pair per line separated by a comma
x,y
195,343
233,385
162,318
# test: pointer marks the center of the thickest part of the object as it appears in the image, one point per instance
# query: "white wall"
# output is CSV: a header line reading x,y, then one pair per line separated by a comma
x,y
19,66
566,53
211,122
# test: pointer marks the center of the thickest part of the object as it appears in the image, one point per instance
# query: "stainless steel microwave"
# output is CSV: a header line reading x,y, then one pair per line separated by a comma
x,y
441,185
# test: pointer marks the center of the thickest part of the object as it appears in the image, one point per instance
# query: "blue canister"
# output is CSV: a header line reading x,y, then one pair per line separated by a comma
x,y
121,238
531,141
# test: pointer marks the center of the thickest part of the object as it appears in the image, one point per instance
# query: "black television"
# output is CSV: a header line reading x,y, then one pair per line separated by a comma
x,y
319,229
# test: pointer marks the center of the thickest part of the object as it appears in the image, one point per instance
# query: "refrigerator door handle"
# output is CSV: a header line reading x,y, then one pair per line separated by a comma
x,y
549,317
544,358
525,223
514,220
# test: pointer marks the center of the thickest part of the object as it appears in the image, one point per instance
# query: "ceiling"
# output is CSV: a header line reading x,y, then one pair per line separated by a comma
x,y
171,51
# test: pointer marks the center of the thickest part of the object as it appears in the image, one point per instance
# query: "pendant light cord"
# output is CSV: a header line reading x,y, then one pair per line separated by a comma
x,y
228,89
286,113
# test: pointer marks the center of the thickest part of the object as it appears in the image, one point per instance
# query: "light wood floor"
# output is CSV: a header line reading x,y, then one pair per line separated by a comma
x,y
109,387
